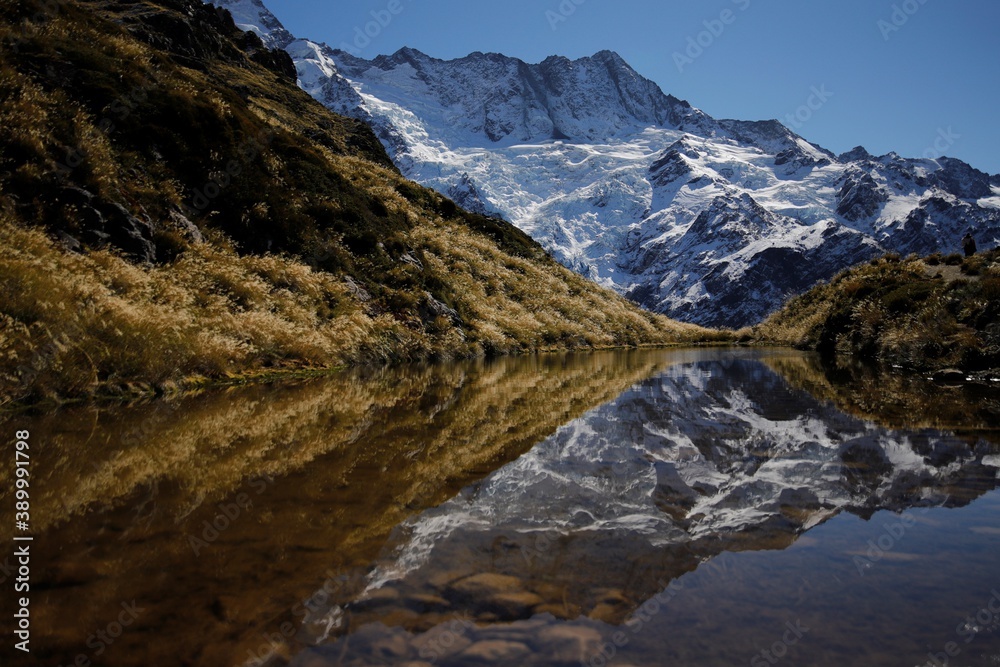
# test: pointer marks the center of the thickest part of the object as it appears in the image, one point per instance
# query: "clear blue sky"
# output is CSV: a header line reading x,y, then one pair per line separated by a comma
x,y
935,79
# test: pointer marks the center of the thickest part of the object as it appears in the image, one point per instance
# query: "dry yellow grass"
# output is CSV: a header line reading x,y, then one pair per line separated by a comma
x,y
79,324
518,305
905,312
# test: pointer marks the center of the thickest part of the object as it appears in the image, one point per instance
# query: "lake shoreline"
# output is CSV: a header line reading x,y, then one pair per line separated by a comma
x,y
133,392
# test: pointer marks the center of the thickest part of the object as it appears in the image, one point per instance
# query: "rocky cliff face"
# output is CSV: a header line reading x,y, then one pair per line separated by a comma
x,y
253,16
713,221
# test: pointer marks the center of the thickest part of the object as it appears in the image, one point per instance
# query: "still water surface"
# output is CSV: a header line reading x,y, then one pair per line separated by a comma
x,y
680,507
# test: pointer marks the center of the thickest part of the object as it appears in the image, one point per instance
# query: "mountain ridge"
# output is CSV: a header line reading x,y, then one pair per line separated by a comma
x,y
564,149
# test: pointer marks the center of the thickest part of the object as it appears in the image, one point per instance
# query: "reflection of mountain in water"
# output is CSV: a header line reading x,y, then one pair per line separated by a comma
x,y
715,455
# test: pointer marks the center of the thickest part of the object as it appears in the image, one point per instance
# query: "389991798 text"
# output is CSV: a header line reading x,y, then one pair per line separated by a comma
x,y
22,547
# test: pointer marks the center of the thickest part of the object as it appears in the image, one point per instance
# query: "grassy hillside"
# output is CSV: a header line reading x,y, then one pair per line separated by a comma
x,y
921,314
173,207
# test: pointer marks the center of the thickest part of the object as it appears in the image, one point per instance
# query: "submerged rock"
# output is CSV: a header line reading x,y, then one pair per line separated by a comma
x,y
485,585
494,652
569,644
513,605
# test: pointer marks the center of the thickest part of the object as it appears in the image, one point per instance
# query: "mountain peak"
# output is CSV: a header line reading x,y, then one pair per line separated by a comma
x,y
404,55
253,16
605,57
856,154
409,52
608,53
612,56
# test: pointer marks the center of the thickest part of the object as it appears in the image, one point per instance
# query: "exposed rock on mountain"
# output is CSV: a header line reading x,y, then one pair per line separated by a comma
x,y
578,154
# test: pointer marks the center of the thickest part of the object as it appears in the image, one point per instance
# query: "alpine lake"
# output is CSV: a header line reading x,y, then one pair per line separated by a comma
x,y
707,506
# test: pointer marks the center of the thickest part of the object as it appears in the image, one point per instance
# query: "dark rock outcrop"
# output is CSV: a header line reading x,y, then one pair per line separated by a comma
x,y
860,197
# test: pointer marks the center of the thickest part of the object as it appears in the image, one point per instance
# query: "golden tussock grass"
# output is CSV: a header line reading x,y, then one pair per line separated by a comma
x,y
80,324
907,312
76,324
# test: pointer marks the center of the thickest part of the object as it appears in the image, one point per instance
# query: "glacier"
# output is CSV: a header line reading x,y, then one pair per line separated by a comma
x,y
716,222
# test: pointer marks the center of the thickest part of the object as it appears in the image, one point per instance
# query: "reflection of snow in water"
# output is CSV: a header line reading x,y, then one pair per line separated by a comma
x,y
725,444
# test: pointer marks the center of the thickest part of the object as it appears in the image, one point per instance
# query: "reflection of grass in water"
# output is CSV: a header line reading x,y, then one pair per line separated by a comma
x,y
441,419
351,458
894,400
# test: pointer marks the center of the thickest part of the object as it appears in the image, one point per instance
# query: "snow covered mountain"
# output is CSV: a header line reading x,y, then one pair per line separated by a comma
x,y
710,221
253,16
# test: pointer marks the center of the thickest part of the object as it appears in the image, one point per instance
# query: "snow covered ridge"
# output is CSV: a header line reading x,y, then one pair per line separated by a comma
x,y
253,16
710,221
